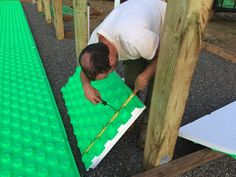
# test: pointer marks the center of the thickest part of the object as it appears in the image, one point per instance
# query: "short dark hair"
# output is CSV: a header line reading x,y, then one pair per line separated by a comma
x,y
98,61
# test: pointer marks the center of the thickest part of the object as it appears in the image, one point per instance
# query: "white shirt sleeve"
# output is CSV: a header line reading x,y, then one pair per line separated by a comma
x,y
94,37
147,44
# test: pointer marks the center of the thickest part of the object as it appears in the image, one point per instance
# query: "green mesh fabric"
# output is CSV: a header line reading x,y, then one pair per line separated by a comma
x,y
89,120
33,141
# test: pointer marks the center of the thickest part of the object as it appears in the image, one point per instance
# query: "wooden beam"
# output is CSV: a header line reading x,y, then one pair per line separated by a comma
x,y
27,1
80,25
223,53
58,19
69,34
47,12
39,6
68,3
67,18
185,22
183,164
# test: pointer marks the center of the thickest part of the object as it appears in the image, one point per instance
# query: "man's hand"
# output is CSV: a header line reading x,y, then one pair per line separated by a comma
x,y
142,80
140,83
92,94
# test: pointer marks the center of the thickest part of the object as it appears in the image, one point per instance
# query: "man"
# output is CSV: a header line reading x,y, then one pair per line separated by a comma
x,y
131,32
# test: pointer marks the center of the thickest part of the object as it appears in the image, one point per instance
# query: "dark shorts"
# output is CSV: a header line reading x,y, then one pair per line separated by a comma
x,y
132,69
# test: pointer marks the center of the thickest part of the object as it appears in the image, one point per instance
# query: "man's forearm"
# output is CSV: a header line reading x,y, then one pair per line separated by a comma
x,y
150,71
85,81
143,79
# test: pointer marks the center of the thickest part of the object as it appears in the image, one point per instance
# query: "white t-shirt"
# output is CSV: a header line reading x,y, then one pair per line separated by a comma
x,y
133,28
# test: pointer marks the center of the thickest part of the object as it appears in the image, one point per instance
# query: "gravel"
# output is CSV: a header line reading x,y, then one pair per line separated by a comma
x,y
213,86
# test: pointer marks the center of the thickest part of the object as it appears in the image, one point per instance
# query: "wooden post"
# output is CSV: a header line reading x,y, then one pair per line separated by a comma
x,y
47,12
58,19
185,22
39,6
81,25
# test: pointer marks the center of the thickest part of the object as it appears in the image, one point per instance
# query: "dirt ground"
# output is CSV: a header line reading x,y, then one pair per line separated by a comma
x,y
221,31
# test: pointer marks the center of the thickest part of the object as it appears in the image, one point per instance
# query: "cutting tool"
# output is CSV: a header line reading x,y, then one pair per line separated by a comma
x,y
105,103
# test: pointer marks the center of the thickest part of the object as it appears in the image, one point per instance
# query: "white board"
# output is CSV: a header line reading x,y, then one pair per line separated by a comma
x,y
216,130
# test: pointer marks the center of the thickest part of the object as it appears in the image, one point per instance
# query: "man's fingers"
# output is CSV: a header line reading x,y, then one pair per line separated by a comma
x,y
97,99
94,101
135,91
98,96
98,93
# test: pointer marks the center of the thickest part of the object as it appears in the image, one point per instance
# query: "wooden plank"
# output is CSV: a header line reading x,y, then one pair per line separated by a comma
x,y
69,34
80,25
67,18
39,6
185,22
223,53
58,19
27,1
47,12
67,3
183,164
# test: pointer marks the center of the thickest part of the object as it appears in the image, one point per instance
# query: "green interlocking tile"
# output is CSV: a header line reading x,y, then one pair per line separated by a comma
x,y
90,120
33,141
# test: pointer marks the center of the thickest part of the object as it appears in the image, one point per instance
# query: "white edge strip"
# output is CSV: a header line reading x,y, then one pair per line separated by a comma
x,y
207,144
121,130
116,3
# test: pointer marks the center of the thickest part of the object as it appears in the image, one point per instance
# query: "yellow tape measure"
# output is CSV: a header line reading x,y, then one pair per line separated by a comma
x,y
108,123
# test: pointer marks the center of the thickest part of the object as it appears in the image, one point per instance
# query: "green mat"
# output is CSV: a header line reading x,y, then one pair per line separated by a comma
x,y
33,142
66,10
98,127
226,3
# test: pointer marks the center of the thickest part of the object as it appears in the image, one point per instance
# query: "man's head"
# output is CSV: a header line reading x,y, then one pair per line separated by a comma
x,y
96,62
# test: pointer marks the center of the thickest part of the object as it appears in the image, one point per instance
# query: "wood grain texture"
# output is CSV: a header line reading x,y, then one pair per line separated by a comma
x,y
67,2
47,12
39,6
80,25
185,22
223,53
58,19
183,164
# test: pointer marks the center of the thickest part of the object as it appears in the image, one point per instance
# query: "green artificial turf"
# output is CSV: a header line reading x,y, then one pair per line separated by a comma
x,y
33,142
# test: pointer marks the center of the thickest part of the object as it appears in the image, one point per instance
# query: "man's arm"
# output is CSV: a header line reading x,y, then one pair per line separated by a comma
x,y
90,92
143,79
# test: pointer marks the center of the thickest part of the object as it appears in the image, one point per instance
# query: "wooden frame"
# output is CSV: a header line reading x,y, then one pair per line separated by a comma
x,y
183,164
44,6
225,54
80,25
47,12
185,22
39,6
58,19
